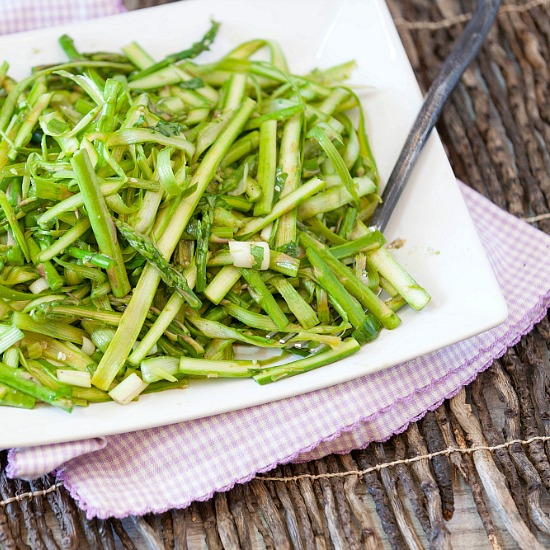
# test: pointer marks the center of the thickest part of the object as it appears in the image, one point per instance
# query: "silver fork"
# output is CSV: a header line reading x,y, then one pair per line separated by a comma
x,y
463,52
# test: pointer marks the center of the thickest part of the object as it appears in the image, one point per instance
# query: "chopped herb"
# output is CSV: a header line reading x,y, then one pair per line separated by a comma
x,y
191,84
258,255
168,129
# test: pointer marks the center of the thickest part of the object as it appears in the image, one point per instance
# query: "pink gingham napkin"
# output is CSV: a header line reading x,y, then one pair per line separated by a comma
x,y
25,15
169,467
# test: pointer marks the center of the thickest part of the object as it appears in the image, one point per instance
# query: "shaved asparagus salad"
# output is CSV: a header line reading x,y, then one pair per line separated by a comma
x,y
157,216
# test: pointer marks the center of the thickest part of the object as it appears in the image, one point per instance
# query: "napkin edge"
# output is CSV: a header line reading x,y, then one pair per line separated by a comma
x,y
520,328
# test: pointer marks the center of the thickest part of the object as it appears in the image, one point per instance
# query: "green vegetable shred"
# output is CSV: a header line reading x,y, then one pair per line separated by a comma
x,y
157,215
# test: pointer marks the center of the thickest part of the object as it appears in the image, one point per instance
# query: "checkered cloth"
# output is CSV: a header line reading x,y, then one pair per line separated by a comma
x,y
25,15
169,467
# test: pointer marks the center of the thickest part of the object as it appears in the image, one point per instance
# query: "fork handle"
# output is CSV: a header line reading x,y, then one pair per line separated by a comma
x,y
464,50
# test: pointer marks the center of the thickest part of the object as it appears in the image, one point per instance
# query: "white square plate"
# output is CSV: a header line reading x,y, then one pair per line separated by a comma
x,y
442,249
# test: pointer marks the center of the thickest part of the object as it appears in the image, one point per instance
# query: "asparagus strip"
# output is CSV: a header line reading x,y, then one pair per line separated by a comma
x,y
241,147
107,317
264,298
105,123
235,91
322,230
44,374
285,205
14,225
59,351
25,130
290,165
161,323
263,322
133,136
23,382
273,374
72,203
278,261
213,329
267,165
11,100
370,241
160,368
219,349
302,310
201,256
338,162
333,198
135,313
83,272
413,293
138,56
55,281
358,289
13,398
240,221
222,283
217,369
68,238
100,260
252,319
101,222
93,395
364,328
53,329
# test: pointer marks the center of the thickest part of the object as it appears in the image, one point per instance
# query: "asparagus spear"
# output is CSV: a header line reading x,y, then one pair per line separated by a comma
x,y
264,298
357,288
267,165
171,276
346,348
290,165
198,47
413,293
365,330
21,381
101,222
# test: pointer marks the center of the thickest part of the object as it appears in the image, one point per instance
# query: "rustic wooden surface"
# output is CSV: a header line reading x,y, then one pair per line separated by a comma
x,y
495,129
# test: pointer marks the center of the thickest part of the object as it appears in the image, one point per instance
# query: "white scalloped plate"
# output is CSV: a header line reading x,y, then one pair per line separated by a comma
x,y
442,249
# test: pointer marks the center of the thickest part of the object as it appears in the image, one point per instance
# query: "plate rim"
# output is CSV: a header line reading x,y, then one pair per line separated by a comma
x,y
499,317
